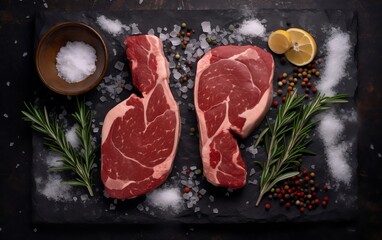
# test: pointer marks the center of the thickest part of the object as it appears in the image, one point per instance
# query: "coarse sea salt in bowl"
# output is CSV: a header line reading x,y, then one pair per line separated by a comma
x,y
76,75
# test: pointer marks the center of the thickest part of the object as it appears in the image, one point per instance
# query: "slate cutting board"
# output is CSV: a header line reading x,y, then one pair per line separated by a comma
x,y
239,206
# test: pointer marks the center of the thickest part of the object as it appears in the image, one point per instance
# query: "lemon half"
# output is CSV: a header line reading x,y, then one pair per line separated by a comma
x,y
304,47
280,41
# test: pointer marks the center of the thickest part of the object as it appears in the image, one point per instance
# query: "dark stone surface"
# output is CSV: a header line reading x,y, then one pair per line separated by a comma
x,y
15,183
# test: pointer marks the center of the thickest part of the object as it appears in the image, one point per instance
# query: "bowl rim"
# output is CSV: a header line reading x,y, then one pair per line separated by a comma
x,y
52,30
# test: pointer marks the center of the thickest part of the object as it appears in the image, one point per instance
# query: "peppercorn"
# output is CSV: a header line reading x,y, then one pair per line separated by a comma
x,y
309,75
314,70
290,88
314,89
295,74
326,199
183,25
283,99
185,42
279,92
317,73
295,69
309,196
291,84
311,182
209,40
277,190
302,209
283,60
290,79
280,83
188,34
272,190
286,196
309,84
303,84
188,171
295,80
284,81
275,103
324,203
287,205
286,187
270,196
182,33
304,74
310,207
192,130
325,187
297,203
312,189
267,206
299,75
177,56
285,75
312,174
316,201
186,189
306,178
300,70
198,171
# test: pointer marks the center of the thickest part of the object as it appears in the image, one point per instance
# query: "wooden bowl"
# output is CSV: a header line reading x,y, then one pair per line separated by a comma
x,y
50,44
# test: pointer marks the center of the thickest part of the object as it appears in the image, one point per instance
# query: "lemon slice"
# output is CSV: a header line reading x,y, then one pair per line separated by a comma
x,y
304,48
280,41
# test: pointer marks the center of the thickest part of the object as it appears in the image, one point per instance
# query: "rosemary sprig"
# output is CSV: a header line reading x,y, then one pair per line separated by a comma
x,y
287,138
79,161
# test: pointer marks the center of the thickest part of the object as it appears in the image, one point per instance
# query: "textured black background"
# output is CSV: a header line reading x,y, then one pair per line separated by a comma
x,y
16,23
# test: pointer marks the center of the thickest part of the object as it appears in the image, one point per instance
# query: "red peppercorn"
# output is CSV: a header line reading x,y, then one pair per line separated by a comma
x,y
309,84
283,99
302,209
280,77
188,34
326,199
275,103
324,203
186,189
287,205
188,171
305,171
267,206
310,207
314,89
316,201
325,187
282,191
279,195
306,178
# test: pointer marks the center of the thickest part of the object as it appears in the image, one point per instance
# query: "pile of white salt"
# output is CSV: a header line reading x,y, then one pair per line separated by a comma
x,y
76,61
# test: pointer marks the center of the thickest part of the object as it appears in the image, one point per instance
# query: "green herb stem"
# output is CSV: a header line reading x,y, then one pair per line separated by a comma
x,y
287,138
79,161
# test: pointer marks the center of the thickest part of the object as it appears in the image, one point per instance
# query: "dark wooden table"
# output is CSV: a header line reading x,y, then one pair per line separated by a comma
x,y
16,23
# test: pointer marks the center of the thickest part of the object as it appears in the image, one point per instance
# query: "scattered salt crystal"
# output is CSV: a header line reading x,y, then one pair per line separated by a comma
x,y
338,54
119,65
129,87
15,41
379,155
95,130
25,54
8,83
189,204
140,207
75,199
53,160
330,130
206,26
140,2
114,27
371,146
112,207
252,172
151,32
159,29
252,28
199,52
45,5
202,191
197,209
225,41
184,96
252,149
134,29
34,229
166,199
212,198
163,37
5,115
17,165
76,61
72,137
192,168
102,99
11,144
175,41
84,197
313,166
215,210
204,44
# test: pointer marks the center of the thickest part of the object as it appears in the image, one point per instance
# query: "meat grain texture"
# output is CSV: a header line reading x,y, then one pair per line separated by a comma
x,y
141,134
233,92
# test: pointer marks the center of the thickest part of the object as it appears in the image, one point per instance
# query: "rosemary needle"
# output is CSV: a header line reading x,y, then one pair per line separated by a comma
x,y
287,138
79,161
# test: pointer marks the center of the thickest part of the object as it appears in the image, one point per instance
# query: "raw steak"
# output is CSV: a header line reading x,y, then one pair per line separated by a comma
x,y
233,92
141,134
